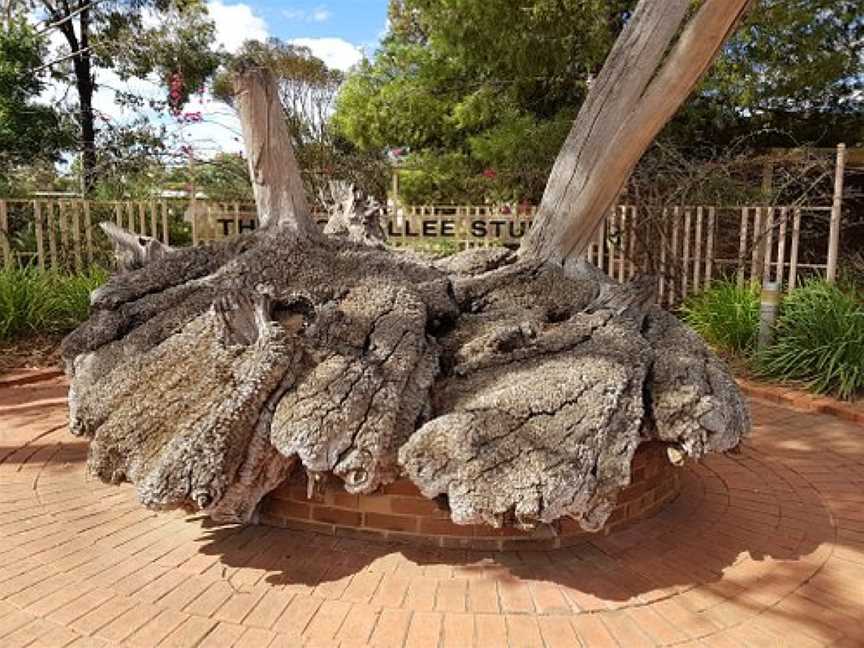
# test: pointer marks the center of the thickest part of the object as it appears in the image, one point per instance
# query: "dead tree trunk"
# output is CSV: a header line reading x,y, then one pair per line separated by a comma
x,y
276,180
638,91
518,389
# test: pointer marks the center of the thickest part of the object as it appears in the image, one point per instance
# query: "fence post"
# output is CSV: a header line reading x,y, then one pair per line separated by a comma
x,y
709,253
76,235
742,244
756,259
88,230
164,210
768,252
4,236
768,306
836,214
40,245
154,220
685,276
697,256
793,255
62,214
781,247
52,236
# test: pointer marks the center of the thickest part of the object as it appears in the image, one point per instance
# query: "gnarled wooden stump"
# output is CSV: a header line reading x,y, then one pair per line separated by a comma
x,y
519,388
519,392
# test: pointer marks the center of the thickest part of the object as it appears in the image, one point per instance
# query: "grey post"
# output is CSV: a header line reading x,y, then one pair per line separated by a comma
x,y
768,307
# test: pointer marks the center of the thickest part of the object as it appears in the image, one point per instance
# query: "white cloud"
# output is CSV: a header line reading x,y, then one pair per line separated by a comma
x,y
219,130
335,52
235,24
319,14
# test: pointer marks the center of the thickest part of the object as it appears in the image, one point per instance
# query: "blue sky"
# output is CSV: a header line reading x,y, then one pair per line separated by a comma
x,y
359,22
337,31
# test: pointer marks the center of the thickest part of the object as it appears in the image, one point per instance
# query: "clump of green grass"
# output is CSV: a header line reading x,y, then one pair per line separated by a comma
x,y
45,302
726,316
819,339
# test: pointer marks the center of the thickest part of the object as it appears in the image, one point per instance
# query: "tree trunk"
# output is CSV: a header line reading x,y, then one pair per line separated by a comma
x,y
276,181
84,85
87,137
518,389
638,91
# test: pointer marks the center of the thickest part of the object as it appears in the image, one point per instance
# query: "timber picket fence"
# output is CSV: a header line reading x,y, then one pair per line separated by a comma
x,y
685,246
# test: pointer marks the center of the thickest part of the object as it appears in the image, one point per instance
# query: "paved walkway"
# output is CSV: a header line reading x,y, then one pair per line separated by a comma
x,y
765,548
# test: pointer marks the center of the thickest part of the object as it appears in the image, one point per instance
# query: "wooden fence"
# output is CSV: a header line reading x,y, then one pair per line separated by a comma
x,y
62,234
685,246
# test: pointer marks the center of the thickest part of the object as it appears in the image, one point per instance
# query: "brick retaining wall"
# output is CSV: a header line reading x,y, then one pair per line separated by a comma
x,y
399,513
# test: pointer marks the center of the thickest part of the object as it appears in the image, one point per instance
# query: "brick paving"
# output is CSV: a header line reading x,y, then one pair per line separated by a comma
x,y
763,548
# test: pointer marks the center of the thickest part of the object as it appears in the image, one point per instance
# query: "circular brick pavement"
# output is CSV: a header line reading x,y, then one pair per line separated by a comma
x,y
763,548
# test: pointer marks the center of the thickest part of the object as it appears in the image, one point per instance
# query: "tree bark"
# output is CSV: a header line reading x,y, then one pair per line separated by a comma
x,y
87,139
279,193
638,91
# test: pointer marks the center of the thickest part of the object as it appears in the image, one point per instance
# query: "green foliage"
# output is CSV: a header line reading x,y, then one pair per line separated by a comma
x,y
496,84
28,131
726,316
181,40
477,86
795,66
35,301
819,339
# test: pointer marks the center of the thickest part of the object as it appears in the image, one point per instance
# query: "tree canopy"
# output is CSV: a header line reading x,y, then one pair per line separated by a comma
x,y
171,39
29,131
484,93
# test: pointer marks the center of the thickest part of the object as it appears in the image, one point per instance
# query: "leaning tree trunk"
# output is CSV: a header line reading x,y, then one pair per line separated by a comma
x,y
639,90
517,388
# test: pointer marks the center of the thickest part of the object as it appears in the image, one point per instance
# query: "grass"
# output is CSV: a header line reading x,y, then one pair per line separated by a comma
x,y
819,340
726,316
44,302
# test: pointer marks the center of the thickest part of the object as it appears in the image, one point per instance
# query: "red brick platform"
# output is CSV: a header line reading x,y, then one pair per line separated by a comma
x,y
401,514
765,548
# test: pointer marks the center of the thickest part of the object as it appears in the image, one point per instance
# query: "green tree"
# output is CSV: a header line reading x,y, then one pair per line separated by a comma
x,y
793,74
29,132
494,86
116,35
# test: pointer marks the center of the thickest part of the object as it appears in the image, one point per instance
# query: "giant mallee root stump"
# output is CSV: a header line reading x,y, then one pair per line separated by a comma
x,y
517,390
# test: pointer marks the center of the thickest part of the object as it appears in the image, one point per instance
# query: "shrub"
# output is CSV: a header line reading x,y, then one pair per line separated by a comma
x,y
819,339
726,316
35,301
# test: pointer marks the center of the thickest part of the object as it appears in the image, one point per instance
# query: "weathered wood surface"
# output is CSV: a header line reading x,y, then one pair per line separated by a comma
x,y
516,388
276,181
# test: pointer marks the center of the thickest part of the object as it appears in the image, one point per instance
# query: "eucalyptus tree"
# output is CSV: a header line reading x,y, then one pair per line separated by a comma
x,y
470,86
131,39
29,131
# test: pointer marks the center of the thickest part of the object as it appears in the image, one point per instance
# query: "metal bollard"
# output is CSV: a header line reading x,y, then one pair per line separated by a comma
x,y
769,304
